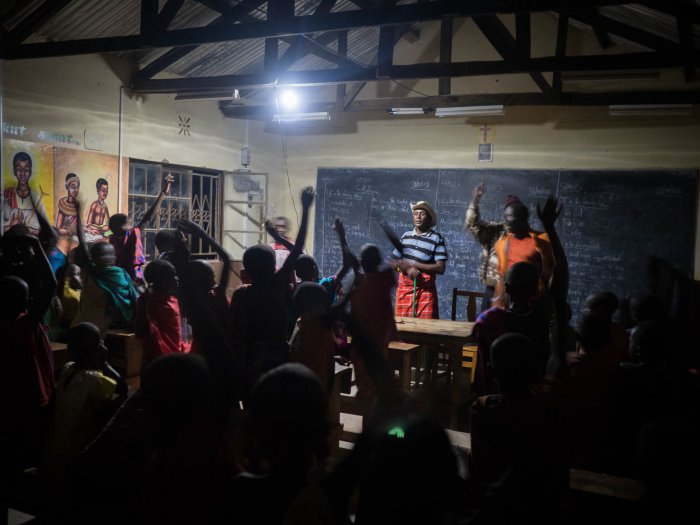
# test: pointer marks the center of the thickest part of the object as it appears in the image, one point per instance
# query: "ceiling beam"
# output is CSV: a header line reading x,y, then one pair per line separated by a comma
x,y
522,34
299,43
394,15
34,21
446,34
625,61
341,89
149,20
168,58
227,10
687,10
497,33
602,37
685,36
627,32
562,37
506,99
352,94
410,33
168,13
385,51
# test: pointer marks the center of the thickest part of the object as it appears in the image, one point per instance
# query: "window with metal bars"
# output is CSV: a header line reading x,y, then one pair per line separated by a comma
x,y
194,195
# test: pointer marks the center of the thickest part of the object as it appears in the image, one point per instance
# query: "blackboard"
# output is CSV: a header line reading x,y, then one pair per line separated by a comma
x,y
612,220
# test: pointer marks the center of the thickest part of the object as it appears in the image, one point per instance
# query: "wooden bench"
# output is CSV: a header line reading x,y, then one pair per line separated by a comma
x,y
407,351
336,427
126,355
583,481
60,357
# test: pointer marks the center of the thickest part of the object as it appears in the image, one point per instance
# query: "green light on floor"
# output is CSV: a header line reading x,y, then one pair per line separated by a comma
x,y
397,432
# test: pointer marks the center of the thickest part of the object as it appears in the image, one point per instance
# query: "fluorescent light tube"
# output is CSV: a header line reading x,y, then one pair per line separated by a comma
x,y
650,110
408,111
295,117
474,111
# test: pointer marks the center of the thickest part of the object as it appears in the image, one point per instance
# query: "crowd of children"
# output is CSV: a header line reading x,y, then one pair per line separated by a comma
x,y
231,423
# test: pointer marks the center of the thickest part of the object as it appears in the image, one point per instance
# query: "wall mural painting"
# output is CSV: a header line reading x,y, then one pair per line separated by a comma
x,y
90,178
27,173
55,179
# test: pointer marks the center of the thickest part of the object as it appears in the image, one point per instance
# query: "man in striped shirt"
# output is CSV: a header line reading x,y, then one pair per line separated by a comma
x,y
420,261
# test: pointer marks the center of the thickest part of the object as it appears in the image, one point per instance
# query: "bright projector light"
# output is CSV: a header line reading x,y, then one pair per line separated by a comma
x,y
288,100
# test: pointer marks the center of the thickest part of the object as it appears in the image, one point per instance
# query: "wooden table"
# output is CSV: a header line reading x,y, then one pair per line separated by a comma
x,y
452,335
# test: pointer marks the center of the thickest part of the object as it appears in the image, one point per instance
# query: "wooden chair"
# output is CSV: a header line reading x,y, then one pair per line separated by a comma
x,y
469,349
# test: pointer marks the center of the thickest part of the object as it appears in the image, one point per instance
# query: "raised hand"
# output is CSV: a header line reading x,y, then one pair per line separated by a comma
x,y
190,227
391,234
339,227
270,228
549,212
307,196
169,179
478,191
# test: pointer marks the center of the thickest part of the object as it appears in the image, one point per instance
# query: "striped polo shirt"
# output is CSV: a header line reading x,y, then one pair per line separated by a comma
x,y
427,247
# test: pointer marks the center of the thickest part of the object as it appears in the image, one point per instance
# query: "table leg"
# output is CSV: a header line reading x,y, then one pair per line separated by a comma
x,y
406,370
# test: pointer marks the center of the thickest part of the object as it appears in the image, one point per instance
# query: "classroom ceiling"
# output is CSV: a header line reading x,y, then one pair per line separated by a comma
x,y
218,48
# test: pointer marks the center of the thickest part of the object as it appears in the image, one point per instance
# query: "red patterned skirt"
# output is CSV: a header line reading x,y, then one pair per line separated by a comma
x,y
426,299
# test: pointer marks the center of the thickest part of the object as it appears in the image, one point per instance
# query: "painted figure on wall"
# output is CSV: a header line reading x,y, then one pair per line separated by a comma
x,y
17,206
97,223
67,215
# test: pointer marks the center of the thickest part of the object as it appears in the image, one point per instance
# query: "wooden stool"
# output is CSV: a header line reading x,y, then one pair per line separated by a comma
x,y
406,350
60,357
469,359
126,355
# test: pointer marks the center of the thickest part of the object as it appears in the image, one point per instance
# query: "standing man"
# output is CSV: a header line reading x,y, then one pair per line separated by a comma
x,y
281,224
18,207
521,243
486,233
420,261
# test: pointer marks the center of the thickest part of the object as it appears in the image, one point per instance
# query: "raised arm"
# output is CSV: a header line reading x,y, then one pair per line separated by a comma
x,y
40,303
272,231
194,229
486,233
548,214
559,287
347,260
48,236
307,197
393,238
149,213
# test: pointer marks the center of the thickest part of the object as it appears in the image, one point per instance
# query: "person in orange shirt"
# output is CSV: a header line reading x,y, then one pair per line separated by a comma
x,y
521,243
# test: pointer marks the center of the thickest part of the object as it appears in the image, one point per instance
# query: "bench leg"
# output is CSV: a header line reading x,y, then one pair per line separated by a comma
x,y
405,377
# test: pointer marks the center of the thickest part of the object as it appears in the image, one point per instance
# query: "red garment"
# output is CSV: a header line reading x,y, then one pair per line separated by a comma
x,y
164,325
313,345
617,349
371,307
134,268
214,312
426,299
28,368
